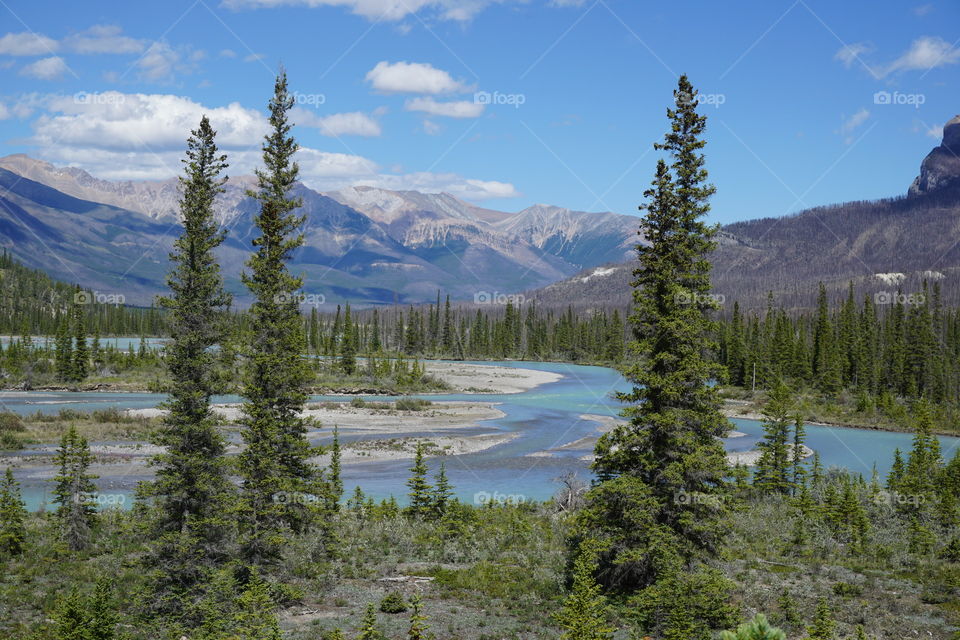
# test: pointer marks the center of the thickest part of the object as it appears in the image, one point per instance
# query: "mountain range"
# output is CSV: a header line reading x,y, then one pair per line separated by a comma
x,y
362,244
880,246
371,246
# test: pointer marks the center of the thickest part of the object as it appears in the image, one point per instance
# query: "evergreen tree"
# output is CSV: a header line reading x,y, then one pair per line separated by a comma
x,y
64,349
774,467
74,490
79,365
418,622
348,346
336,481
823,625
657,507
13,515
276,461
585,610
756,629
368,628
796,457
442,492
191,490
255,619
420,498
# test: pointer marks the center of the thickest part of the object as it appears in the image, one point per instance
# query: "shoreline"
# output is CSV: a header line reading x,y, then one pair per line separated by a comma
x,y
731,410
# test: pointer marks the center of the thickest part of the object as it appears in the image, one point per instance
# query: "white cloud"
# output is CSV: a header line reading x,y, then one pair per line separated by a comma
x,y
849,54
228,53
138,136
923,10
380,10
103,38
925,53
27,44
253,57
466,188
338,124
431,128
454,109
852,123
51,68
4,112
412,77
161,62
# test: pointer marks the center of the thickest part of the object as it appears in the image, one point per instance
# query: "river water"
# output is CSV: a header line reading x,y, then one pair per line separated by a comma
x,y
545,418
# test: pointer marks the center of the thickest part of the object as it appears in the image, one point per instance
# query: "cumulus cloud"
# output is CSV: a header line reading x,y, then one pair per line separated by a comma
x,y
453,109
925,53
161,62
431,128
51,68
136,136
412,77
4,112
103,38
338,124
27,44
381,10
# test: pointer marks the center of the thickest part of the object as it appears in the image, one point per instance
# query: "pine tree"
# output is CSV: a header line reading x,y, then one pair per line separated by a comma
x,y
671,448
823,625
191,491
79,365
74,490
420,499
773,468
13,515
796,457
585,610
442,492
64,349
418,622
336,481
255,619
348,346
368,628
756,629
276,461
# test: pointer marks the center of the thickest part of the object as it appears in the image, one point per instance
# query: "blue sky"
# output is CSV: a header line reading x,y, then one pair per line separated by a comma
x,y
503,102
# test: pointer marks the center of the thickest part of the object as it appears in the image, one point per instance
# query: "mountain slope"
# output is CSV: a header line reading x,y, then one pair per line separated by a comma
x,y
879,245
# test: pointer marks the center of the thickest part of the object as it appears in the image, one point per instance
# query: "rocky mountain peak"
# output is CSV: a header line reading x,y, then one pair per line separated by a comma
x,y
940,170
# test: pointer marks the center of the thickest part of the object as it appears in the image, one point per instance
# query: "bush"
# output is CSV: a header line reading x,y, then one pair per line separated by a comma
x,y
110,414
845,589
411,404
11,423
9,442
393,602
756,629
358,402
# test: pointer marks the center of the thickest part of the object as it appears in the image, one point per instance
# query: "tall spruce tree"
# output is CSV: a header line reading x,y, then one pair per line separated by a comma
x,y
420,498
585,610
13,516
191,491
659,506
275,465
80,359
74,490
774,467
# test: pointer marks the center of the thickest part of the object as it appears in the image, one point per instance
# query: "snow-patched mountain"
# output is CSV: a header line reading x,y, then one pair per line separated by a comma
x,y
581,238
363,244
157,199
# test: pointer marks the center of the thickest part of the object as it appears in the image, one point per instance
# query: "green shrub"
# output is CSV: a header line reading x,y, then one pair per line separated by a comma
x,y
393,602
845,589
11,422
411,404
358,402
756,629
